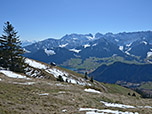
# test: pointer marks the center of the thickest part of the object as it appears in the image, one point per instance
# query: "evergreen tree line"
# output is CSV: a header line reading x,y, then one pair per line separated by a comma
x,y
10,50
143,94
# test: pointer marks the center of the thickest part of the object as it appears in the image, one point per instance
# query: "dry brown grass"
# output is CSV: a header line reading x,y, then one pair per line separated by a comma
x,y
25,99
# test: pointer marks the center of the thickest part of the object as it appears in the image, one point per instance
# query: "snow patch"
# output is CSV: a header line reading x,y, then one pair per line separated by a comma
x,y
64,110
35,64
26,51
116,40
75,50
49,52
44,94
121,48
86,45
144,106
73,81
33,72
116,105
87,109
57,73
127,52
128,45
105,111
75,38
26,83
94,44
64,45
61,92
59,84
114,55
12,74
129,49
149,54
91,90
90,38
144,42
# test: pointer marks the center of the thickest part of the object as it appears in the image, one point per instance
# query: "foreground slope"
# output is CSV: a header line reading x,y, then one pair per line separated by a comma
x,y
43,94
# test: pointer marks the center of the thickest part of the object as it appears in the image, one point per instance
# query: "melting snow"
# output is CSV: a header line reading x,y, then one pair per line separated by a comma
x,y
87,45
147,107
116,105
94,44
49,52
149,54
73,81
92,90
33,73
121,48
129,49
59,85
12,74
61,92
144,107
64,110
65,76
75,38
57,72
87,109
114,55
26,83
44,94
75,50
35,64
64,45
26,51
144,42
105,111
90,38
128,45
116,40
127,52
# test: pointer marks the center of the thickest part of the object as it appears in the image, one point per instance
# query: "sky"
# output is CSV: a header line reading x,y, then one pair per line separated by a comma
x,y
42,19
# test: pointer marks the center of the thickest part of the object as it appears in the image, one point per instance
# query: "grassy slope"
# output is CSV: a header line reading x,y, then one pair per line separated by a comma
x,y
116,89
17,98
147,85
92,63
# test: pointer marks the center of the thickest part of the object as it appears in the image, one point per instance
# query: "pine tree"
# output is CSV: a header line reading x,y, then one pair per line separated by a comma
x,y
66,80
91,79
60,78
134,94
129,94
10,49
86,75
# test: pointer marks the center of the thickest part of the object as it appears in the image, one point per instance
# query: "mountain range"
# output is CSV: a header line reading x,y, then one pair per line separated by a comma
x,y
134,46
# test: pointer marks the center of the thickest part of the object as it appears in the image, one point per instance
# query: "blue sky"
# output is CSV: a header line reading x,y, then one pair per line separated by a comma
x,y
41,19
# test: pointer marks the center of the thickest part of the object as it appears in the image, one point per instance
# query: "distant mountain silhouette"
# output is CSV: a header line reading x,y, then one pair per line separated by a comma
x,y
123,72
